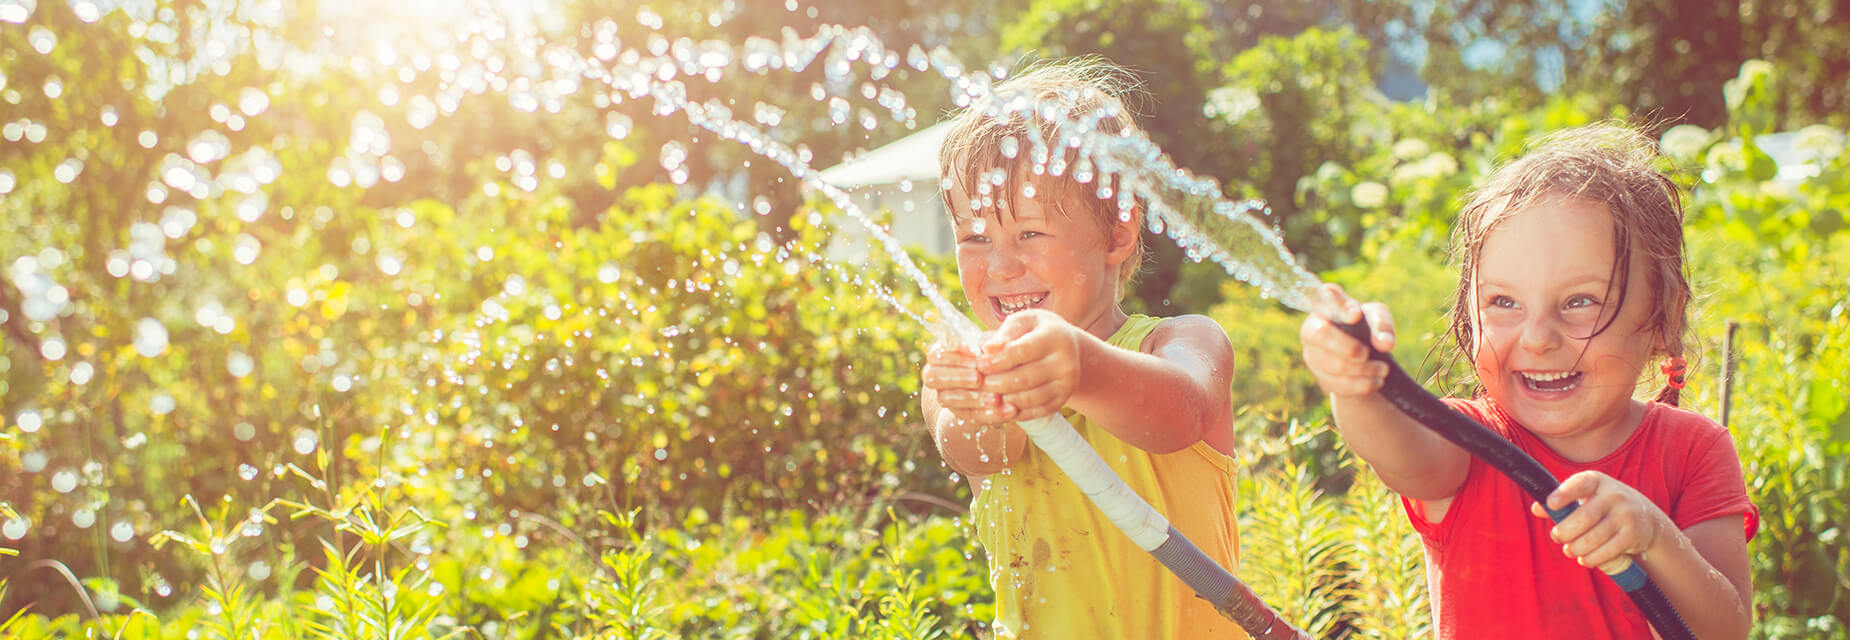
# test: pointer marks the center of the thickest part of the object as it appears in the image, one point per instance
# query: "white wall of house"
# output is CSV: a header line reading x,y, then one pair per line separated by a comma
x,y
898,184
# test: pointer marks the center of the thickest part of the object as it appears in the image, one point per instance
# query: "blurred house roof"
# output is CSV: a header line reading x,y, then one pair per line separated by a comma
x,y
1797,161
914,157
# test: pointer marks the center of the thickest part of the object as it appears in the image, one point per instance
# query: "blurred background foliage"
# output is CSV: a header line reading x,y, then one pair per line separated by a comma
x,y
326,345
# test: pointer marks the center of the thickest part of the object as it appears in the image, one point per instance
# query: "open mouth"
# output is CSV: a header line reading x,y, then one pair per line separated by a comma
x,y
1551,382
1008,304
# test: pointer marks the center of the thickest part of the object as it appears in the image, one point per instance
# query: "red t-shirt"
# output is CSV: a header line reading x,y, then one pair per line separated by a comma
x,y
1494,572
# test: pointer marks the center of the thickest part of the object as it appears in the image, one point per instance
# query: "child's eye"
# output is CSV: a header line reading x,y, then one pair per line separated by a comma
x,y
973,238
1503,302
1031,234
1581,302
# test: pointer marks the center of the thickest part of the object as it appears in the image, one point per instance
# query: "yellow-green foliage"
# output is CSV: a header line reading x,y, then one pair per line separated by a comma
x,y
448,379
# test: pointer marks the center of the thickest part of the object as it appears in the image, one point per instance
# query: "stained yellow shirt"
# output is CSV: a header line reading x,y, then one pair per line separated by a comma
x,y
1061,570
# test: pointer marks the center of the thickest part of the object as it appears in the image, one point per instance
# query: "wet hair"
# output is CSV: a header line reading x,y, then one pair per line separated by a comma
x,y
991,137
1607,163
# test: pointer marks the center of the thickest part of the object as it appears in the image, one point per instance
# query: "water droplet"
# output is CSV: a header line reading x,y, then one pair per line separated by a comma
x,y
245,250
16,12
253,101
618,125
306,441
64,481
150,338
246,471
121,531
52,349
209,146
15,528
29,421
178,177
43,40
68,170
161,404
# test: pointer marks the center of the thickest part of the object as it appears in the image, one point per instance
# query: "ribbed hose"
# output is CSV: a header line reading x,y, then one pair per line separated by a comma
x,y
1534,479
1151,532
1229,596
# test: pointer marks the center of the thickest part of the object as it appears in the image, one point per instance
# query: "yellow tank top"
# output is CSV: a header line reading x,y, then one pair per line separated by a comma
x,y
1061,570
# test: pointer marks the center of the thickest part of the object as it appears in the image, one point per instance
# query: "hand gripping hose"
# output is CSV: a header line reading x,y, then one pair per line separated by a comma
x,y
1531,476
1151,532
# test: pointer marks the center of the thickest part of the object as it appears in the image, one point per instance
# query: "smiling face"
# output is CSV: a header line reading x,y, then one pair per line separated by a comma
x,y
1561,336
1040,255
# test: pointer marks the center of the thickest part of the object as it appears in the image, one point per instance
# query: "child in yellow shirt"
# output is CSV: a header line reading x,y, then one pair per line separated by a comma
x,y
1044,263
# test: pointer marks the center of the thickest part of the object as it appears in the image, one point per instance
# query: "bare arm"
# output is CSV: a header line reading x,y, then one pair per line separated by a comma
x,y
1412,460
1163,399
1703,572
1168,397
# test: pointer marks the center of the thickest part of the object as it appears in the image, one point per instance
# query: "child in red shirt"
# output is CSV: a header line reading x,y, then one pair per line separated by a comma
x,y
1572,285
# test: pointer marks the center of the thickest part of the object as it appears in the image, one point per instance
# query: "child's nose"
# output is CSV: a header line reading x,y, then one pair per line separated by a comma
x,y
1004,264
1541,333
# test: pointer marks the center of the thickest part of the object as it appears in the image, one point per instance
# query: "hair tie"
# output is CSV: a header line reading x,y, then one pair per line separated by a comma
x,y
1674,368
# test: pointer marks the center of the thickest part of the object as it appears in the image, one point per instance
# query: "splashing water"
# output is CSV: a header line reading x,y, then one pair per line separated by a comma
x,y
216,170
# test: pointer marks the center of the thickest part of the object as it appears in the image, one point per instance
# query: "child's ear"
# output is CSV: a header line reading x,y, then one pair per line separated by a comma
x,y
1124,236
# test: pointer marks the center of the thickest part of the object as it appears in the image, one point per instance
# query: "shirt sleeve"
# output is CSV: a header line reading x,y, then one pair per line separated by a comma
x,y
1436,533
1714,486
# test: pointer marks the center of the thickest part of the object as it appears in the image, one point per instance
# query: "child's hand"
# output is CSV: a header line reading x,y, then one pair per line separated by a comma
x,y
1612,523
950,371
1032,363
1341,364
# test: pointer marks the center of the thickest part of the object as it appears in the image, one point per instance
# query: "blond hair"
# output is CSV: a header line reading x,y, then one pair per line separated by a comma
x,y
1055,93
1608,163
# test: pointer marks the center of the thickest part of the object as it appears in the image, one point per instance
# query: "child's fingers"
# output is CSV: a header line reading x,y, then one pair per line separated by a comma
x,y
1575,488
1026,352
1006,378
1336,299
944,377
1382,323
1333,343
1014,326
981,416
1596,545
1340,364
968,400
1367,382
951,356
1041,401
1610,553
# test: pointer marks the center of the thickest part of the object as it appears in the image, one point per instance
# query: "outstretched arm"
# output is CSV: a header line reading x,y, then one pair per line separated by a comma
x,y
1410,459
